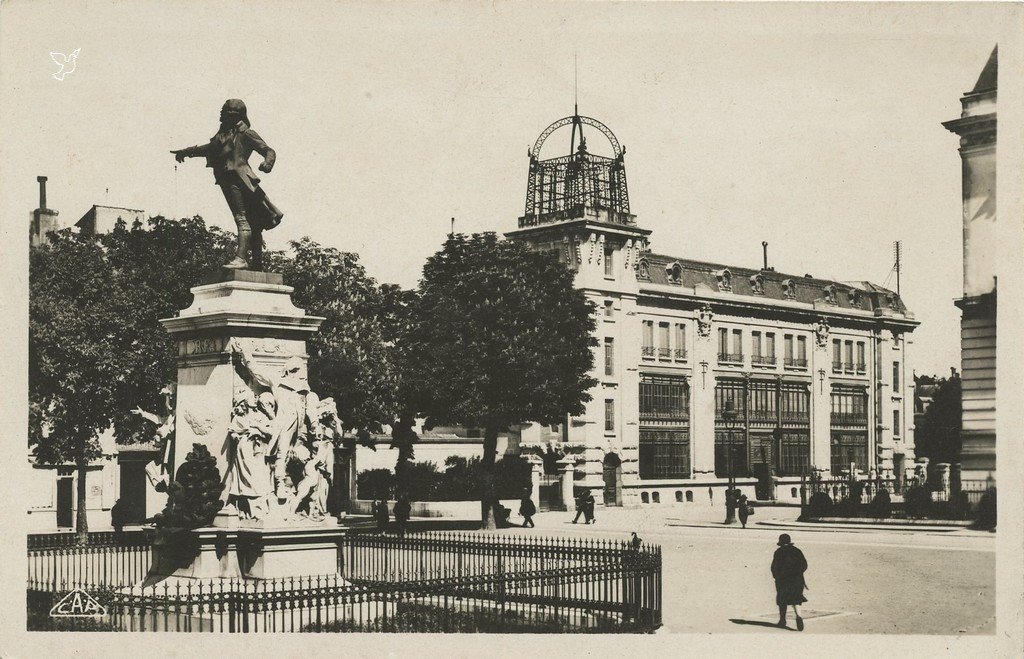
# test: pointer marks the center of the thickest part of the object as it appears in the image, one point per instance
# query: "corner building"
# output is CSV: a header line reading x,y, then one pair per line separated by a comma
x,y
705,370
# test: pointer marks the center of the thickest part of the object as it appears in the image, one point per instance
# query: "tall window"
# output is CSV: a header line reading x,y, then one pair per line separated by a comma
x,y
664,454
609,415
730,394
664,398
664,352
895,377
723,344
801,350
896,429
861,365
794,453
609,356
787,349
609,263
737,345
680,350
609,309
849,407
730,453
837,355
795,403
648,339
849,356
755,346
763,401
849,446
769,347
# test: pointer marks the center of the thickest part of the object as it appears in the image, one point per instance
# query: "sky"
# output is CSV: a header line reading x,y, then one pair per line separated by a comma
x,y
814,127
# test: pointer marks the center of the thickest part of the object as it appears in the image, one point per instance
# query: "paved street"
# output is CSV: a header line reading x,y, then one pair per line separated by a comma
x,y
717,579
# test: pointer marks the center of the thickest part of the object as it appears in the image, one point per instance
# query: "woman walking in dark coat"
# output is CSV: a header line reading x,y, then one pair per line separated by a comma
x,y
788,567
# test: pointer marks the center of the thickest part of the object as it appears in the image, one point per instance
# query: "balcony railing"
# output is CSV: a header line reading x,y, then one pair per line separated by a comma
x,y
849,419
647,352
766,360
730,357
848,367
795,363
680,355
861,369
664,353
837,367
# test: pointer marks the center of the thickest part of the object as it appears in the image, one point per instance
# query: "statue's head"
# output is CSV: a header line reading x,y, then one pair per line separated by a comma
x,y
233,111
294,375
243,400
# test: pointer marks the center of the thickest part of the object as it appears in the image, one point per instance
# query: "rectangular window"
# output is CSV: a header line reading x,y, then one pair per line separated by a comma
x,y
896,430
609,263
837,356
664,454
848,364
794,403
737,345
849,446
755,345
763,401
723,344
794,453
861,365
895,377
664,398
664,351
648,339
609,309
680,350
609,356
730,395
730,453
769,347
849,406
787,347
609,415
801,352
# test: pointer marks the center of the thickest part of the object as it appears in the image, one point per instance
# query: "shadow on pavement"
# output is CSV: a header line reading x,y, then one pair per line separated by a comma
x,y
757,623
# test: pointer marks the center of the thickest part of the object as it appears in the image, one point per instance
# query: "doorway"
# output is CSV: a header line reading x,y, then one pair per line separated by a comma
x,y
612,480
65,502
133,492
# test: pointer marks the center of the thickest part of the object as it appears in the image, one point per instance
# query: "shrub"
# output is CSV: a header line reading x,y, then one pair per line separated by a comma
x,y
375,484
820,505
918,501
986,515
881,505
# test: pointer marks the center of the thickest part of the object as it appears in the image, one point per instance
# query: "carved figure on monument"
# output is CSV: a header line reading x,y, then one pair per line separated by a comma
x,y
157,470
227,153
317,454
292,420
249,481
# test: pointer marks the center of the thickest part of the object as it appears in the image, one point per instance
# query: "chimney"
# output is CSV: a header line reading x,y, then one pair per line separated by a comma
x,y
764,250
42,192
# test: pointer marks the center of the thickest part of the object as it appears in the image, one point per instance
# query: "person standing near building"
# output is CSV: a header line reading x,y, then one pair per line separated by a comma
x,y
527,509
402,510
743,508
580,507
380,513
588,507
788,567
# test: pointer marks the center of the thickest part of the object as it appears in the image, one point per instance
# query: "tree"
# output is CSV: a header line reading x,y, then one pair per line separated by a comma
x,y
937,434
499,336
349,359
96,348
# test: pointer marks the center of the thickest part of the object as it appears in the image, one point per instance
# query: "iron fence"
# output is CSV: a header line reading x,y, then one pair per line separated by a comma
x,y
431,582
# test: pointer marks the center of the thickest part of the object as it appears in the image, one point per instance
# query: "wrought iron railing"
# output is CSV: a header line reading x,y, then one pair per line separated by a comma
x,y
680,354
730,357
791,362
432,582
762,359
647,351
837,367
664,353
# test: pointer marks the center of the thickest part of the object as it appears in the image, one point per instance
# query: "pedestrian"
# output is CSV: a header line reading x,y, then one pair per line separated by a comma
x,y
635,542
588,507
402,510
788,567
744,510
380,513
527,510
581,507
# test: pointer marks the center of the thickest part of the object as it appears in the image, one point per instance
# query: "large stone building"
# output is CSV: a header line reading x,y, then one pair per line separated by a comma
x,y
977,130
707,370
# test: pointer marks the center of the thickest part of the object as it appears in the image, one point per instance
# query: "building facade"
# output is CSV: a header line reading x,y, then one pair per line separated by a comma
x,y
708,372
977,130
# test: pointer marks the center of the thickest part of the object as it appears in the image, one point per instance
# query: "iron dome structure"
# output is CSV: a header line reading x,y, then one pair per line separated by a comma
x,y
577,184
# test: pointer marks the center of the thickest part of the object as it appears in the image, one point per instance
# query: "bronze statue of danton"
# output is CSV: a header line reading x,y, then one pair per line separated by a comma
x,y
227,153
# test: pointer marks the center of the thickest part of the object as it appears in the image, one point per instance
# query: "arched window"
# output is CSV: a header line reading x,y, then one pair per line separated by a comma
x,y
644,498
657,497
689,496
679,496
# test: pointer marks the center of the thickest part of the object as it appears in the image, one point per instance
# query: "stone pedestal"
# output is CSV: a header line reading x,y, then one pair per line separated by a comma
x,y
288,551
567,476
253,308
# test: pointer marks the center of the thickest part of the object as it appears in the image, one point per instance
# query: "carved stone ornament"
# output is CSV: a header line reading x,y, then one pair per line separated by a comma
x,y
757,284
643,269
576,248
199,425
821,333
831,295
704,318
724,278
674,272
788,289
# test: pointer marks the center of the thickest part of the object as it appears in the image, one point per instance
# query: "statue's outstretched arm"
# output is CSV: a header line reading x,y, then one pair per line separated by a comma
x,y
260,147
149,416
247,363
197,151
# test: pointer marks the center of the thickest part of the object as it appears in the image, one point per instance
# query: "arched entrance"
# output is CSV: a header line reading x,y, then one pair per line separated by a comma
x,y
612,480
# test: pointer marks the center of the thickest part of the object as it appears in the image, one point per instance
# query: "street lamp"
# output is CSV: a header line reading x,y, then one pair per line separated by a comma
x,y
729,415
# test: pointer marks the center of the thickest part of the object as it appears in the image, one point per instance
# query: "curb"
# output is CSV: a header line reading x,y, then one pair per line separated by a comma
x,y
855,526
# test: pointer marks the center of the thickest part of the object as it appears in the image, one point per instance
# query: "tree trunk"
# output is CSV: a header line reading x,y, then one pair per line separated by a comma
x,y
487,504
81,517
